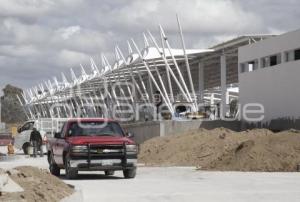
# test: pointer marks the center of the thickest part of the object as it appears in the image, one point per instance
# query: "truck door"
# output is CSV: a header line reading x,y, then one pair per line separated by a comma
x,y
58,147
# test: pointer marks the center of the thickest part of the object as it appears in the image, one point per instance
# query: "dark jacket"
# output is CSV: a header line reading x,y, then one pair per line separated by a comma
x,y
36,136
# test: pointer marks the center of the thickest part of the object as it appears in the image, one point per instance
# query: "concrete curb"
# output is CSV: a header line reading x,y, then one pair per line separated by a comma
x,y
77,196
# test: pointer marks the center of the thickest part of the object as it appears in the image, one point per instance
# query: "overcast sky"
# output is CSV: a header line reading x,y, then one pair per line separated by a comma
x,y
41,38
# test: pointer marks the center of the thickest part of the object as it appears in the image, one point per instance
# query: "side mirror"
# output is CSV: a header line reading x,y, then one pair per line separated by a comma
x,y
19,129
57,135
129,135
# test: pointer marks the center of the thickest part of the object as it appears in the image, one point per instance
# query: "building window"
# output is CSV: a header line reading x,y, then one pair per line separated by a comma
x,y
271,60
297,54
292,55
243,67
289,56
252,65
265,62
249,66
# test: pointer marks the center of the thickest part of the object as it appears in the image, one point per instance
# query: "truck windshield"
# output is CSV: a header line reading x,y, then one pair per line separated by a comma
x,y
95,129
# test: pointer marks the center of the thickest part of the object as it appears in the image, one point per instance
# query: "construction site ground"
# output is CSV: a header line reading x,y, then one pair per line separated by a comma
x,y
225,150
179,184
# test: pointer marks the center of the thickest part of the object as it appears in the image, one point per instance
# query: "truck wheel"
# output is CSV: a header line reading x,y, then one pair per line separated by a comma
x,y
25,148
54,169
109,172
129,173
71,173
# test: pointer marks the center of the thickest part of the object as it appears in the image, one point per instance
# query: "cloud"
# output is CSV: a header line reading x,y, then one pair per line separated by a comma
x,y
27,10
78,39
21,33
67,32
41,38
71,58
18,51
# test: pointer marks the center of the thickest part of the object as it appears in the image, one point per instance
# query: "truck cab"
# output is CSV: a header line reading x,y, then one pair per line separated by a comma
x,y
92,145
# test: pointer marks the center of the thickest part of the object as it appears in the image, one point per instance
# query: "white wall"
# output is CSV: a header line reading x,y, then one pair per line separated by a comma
x,y
270,46
277,87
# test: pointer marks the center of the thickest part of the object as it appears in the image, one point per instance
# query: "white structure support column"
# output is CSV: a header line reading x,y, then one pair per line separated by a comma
x,y
167,70
151,89
223,105
166,99
212,99
177,67
188,69
201,81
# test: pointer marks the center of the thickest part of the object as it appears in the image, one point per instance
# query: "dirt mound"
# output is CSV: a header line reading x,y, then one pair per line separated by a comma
x,y
223,149
38,185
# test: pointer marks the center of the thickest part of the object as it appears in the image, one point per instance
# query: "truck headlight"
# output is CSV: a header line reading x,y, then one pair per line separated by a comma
x,y
131,148
79,149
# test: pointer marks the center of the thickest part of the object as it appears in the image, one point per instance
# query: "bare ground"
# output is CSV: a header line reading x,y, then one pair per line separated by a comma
x,y
38,185
226,150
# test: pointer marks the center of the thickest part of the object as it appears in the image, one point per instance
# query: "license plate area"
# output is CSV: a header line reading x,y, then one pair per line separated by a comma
x,y
107,162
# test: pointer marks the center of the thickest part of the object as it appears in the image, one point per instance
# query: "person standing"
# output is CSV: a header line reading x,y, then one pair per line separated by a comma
x,y
36,141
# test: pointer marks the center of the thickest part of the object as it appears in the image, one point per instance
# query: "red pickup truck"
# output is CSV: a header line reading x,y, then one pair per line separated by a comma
x,y
92,145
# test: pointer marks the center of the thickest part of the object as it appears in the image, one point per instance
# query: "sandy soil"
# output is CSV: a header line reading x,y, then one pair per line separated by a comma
x,y
38,185
222,149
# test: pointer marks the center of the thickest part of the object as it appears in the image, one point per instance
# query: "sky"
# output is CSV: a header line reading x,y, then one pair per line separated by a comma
x,y
40,39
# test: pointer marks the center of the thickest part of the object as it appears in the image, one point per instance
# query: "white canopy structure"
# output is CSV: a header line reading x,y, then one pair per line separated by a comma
x,y
156,74
135,78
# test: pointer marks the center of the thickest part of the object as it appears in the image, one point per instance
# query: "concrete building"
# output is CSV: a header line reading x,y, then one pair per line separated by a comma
x,y
269,75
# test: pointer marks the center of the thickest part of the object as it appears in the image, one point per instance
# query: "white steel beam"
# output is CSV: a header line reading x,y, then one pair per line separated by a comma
x,y
188,69
170,107
223,67
177,67
169,68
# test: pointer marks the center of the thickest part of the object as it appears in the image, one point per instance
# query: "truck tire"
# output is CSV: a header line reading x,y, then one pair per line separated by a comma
x,y
25,148
54,169
109,172
129,173
71,173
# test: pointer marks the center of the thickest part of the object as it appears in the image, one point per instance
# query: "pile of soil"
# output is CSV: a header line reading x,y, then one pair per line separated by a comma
x,y
38,185
226,150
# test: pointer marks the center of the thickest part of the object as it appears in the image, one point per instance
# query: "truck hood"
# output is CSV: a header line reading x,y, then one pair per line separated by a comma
x,y
99,140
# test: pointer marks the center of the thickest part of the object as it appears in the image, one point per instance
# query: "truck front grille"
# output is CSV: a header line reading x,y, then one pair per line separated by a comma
x,y
106,149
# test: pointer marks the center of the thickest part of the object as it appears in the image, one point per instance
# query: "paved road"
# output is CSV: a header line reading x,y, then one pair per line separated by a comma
x,y
186,184
182,184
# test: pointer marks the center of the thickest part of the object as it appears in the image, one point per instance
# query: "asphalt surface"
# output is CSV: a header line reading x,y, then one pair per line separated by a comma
x,y
178,184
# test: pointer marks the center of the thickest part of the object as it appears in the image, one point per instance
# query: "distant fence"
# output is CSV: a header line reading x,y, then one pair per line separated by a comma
x,y
146,130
